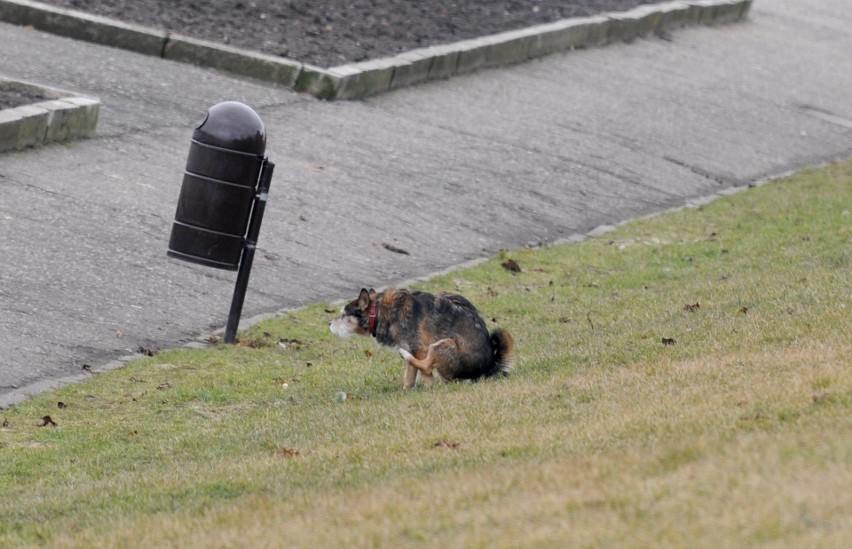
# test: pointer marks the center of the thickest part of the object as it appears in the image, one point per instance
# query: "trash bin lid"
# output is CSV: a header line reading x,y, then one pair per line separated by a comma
x,y
232,125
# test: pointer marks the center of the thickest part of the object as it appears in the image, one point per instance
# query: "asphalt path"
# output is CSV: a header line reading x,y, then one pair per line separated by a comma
x,y
449,171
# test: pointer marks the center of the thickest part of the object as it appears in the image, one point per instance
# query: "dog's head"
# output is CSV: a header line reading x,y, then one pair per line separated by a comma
x,y
355,316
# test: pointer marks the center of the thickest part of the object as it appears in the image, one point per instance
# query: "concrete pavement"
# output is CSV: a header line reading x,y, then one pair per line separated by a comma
x,y
449,171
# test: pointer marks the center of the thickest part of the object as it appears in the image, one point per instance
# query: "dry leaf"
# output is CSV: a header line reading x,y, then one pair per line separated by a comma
x,y
45,421
119,334
164,386
60,405
691,308
287,453
744,310
394,249
511,265
446,445
146,352
491,292
368,353
5,423
669,341
213,340
822,397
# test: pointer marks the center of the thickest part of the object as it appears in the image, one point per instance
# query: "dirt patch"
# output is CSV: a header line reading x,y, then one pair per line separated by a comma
x,y
16,97
333,32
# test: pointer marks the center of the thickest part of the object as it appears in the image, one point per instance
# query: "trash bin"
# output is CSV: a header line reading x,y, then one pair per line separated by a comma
x,y
219,187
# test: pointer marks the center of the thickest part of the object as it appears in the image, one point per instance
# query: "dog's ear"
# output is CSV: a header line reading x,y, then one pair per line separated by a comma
x,y
372,293
364,299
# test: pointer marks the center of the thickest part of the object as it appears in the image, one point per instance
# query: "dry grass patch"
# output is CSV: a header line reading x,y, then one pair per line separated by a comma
x,y
713,451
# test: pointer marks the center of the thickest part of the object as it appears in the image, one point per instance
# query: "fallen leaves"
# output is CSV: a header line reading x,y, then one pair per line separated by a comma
x,y
394,249
45,422
144,351
446,445
667,341
511,265
691,308
284,383
286,453
286,343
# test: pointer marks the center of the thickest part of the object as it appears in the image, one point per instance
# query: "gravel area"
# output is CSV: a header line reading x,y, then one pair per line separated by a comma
x,y
333,32
15,97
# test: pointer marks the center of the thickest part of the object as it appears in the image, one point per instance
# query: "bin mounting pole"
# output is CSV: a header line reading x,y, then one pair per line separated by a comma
x,y
265,180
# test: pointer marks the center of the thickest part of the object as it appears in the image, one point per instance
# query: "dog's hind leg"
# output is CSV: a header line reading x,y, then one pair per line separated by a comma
x,y
442,354
409,378
427,380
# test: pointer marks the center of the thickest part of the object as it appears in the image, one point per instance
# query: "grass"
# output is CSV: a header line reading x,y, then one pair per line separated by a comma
x,y
734,432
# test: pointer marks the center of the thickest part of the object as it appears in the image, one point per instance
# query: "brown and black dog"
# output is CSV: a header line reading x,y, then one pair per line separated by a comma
x,y
440,333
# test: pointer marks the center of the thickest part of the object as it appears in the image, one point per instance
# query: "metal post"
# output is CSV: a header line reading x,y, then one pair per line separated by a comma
x,y
264,182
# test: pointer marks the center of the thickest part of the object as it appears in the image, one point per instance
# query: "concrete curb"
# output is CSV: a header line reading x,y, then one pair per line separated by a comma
x,y
359,80
63,117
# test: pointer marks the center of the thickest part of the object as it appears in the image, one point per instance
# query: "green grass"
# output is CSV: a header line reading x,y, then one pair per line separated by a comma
x,y
737,434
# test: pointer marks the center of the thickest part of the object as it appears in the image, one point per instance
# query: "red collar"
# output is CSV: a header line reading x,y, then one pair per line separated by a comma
x,y
373,314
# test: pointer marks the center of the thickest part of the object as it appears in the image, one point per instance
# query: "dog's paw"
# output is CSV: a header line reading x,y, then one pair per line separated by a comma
x,y
406,356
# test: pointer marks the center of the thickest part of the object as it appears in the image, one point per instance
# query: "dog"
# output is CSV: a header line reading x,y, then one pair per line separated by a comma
x,y
441,333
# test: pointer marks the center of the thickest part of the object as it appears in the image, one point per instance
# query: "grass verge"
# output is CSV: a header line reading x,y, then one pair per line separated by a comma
x,y
684,380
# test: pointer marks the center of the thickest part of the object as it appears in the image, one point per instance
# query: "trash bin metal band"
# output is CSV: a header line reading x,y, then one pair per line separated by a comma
x,y
235,167
214,204
205,247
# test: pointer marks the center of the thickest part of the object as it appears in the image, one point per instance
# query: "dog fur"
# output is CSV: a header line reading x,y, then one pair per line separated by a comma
x,y
441,333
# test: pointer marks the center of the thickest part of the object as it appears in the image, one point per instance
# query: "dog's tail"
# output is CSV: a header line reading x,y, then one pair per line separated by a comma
x,y
503,349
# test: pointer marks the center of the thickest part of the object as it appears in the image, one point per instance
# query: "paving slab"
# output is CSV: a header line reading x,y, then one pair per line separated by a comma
x,y
450,171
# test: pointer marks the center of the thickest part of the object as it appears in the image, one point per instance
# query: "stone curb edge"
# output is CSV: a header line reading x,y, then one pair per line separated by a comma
x,y
64,116
359,80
